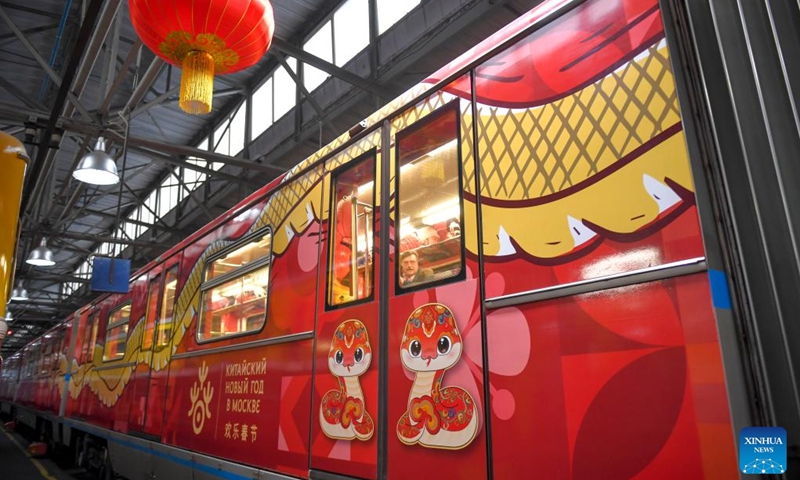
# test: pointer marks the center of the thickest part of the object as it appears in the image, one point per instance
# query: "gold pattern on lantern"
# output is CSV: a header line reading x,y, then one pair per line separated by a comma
x,y
178,44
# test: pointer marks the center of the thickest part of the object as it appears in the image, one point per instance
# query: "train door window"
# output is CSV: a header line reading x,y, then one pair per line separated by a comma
x,y
89,337
94,320
47,351
117,333
429,212
151,313
234,290
350,268
164,326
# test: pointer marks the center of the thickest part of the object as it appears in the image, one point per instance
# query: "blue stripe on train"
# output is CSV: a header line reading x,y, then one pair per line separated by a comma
x,y
720,295
186,463
180,461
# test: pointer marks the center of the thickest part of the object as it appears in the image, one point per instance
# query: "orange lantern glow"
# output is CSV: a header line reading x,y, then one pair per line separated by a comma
x,y
204,38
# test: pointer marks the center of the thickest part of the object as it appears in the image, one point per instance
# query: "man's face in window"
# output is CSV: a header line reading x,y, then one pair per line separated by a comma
x,y
410,266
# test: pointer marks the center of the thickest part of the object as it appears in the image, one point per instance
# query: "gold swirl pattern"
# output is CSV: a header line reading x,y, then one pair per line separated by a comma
x,y
178,44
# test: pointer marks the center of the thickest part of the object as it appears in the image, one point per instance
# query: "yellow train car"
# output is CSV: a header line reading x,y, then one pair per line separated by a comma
x,y
13,161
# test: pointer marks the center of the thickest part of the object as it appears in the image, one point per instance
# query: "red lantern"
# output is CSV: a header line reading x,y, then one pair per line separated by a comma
x,y
204,38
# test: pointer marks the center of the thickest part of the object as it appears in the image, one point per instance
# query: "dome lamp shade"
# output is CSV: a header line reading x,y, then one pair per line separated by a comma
x,y
41,256
19,293
97,167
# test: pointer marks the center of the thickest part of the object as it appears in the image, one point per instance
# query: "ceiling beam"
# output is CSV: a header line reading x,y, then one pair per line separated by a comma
x,y
327,67
93,238
317,108
39,171
14,90
144,84
121,75
43,63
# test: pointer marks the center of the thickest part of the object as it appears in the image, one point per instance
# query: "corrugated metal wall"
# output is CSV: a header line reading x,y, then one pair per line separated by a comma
x,y
741,66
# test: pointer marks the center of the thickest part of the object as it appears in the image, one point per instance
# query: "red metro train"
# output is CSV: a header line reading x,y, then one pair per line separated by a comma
x,y
504,272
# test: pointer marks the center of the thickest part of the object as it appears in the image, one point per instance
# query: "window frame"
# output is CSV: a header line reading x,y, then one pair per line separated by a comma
x,y
207,285
450,108
158,282
89,340
118,324
335,174
157,346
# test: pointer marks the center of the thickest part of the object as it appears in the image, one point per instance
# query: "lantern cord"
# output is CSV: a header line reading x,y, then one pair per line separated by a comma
x,y
121,180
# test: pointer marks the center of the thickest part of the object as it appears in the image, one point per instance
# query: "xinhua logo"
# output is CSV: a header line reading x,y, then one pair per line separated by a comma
x,y
762,450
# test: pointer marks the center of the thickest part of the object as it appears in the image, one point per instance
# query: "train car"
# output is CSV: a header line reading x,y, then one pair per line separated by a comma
x,y
14,161
502,275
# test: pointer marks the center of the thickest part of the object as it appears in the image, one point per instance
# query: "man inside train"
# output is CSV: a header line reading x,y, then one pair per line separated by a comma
x,y
410,273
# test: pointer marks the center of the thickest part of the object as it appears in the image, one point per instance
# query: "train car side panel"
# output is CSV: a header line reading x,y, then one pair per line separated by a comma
x,y
345,404
623,380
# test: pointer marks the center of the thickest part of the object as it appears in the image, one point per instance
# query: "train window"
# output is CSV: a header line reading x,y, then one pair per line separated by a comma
x,y
151,313
234,291
90,337
47,350
117,333
239,258
350,269
164,327
429,206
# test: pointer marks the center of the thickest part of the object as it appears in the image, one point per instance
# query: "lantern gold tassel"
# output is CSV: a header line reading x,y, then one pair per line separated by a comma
x,y
197,83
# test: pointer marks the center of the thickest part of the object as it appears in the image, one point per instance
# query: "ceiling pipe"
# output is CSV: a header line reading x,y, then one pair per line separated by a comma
x,y
84,55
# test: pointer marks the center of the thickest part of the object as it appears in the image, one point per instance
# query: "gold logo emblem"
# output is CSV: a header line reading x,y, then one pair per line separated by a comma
x,y
200,411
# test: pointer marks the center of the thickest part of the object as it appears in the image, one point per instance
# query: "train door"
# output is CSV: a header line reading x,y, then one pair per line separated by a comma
x,y
140,382
87,356
345,408
435,395
162,335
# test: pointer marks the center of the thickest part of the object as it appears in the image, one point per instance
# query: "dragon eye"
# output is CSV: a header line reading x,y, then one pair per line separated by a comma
x,y
359,355
339,358
415,349
443,345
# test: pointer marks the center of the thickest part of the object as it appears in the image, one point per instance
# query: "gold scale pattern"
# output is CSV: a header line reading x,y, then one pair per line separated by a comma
x,y
532,153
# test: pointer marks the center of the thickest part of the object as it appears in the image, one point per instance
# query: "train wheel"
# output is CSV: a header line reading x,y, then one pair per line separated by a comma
x,y
106,472
79,453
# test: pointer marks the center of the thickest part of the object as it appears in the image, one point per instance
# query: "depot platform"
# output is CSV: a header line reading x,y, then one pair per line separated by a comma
x,y
16,464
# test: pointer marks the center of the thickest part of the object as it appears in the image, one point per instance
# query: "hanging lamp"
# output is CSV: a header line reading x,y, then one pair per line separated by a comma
x,y
97,167
204,38
41,256
19,293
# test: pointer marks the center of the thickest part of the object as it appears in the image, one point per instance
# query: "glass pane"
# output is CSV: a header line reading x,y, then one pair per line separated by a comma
x,y
90,337
151,313
351,272
320,46
164,327
262,109
117,333
236,306
350,30
430,202
237,130
244,255
285,89
390,11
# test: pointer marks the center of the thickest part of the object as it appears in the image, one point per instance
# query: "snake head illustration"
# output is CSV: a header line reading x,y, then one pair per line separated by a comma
x,y
431,340
350,353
